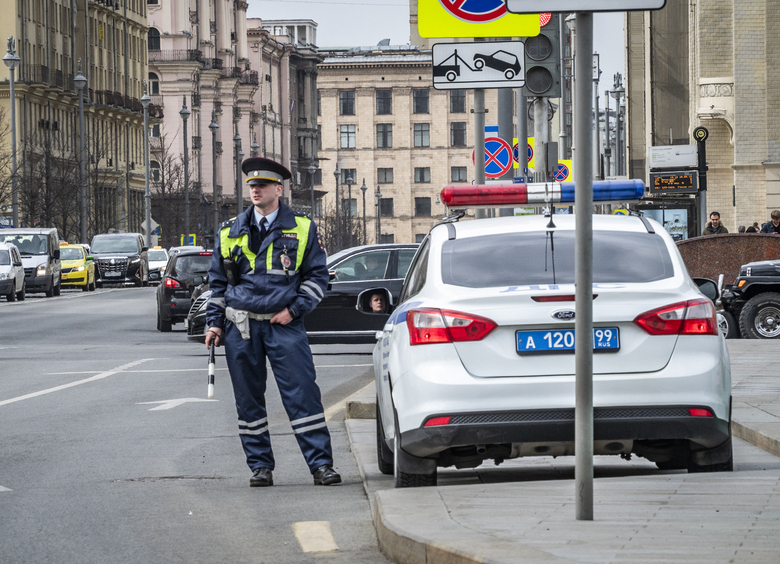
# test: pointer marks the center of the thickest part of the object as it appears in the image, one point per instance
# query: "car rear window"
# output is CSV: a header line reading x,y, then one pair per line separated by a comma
x,y
520,259
191,265
157,255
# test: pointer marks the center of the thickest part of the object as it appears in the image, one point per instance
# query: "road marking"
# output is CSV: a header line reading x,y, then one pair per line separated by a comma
x,y
195,369
2,489
315,536
338,406
170,404
99,376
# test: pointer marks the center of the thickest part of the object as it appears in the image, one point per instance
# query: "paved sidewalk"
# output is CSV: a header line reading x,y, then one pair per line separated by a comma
x,y
524,510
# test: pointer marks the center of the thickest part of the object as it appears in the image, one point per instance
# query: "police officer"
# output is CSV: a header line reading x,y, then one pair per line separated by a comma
x,y
268,271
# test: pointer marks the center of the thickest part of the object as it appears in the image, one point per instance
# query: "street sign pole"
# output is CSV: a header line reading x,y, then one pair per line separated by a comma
x,y
701,134
541,138
479,142
506,130
522,134
583,269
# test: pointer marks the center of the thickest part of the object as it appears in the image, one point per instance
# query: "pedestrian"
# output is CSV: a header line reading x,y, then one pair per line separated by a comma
x,y
773,225
741,229
268,271
714,227
757,227
751,229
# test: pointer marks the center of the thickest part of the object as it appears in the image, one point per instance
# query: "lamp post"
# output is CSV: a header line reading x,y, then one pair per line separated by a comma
x,y
239,191
254,146
350,182
364,189
214,126
12,60
617,94
145,99
312,171
185,114
81,83
336,174
378,216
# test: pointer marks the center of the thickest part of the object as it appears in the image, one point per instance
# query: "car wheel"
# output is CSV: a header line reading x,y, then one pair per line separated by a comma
x,y
405,480
58,289
728,325
384,456
718,459
162,325
23,292
11,296
92,286
50,291
674,463
760,317
86,286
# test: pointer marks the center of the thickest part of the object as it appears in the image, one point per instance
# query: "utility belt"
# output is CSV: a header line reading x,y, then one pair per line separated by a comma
x,y
241,317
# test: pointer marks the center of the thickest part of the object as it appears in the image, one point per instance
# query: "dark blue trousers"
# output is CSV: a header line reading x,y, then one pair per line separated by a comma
x,y
288,350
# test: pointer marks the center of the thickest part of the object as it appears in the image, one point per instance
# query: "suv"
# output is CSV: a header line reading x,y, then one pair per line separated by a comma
x,y
751,306
40,250
120,258
174,294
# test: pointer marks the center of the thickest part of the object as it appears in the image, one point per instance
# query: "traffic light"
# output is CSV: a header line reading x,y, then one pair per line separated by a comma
x,y
543,62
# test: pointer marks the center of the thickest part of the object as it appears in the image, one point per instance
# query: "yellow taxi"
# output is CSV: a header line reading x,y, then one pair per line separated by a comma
x,y
78,268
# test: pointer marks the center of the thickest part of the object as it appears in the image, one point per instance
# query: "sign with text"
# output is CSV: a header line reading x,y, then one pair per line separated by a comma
x,y
531,6
672,183
672,156
473,18
478,65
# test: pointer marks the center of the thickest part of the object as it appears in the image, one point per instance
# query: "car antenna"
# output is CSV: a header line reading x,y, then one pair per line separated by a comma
x,y
549,213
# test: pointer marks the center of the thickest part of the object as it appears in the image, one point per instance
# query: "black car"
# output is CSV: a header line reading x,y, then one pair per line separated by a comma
x,y
120,258
336,318
751,306
174,294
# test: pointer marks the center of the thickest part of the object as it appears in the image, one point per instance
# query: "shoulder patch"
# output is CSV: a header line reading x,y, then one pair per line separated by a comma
x,y
228,223
301,214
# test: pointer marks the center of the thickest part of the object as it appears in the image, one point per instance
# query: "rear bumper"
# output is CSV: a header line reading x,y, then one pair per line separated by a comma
x,y
340,337
176,310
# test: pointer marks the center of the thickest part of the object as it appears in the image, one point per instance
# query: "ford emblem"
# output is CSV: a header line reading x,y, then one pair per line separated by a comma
x,y
563,314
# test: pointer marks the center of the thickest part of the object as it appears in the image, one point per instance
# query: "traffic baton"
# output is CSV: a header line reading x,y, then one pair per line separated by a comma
x,y
212,368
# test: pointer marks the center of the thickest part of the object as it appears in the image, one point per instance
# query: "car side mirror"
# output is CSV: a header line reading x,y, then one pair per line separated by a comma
x,y
331,275
198,280
708,287
375,301
90,257
56,254
154,275
144,249
18,263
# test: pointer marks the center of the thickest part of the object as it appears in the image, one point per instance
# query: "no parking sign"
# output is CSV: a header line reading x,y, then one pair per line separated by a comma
x,y
498,157
472,18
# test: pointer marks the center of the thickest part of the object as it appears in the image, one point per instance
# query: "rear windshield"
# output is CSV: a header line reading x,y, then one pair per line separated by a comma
x,y
520,259
157,255
71,254
189,266
115,245
5,257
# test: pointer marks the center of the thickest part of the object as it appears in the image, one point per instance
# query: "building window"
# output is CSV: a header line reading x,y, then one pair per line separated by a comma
x,y
458,174
348,173
386,207
154,171
384,175
418,238
347,136
422,207
386,238
420,101
422,135
154,131
384,102
153,39
384,135
347,103
347,209
319,137
458,134
422,174
457,101
317,180
319,103
318,208
154,84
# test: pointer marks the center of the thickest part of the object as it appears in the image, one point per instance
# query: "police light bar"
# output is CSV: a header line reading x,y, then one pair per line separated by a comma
x,y
537,194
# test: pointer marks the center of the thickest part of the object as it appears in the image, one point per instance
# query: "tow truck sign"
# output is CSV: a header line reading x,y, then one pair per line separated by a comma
x,y
478,65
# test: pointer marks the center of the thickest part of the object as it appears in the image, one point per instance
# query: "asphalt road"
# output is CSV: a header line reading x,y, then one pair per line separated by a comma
x,y
110,453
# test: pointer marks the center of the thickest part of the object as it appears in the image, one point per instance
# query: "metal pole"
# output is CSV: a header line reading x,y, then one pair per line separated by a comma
x,y
607,143
597,128
378,216
239,189
145,99
479,142
562,109
350,181
312,171
338,215
82,173
363,189
185,113
541,138
213,126
583,271
11,59
506,131
522,135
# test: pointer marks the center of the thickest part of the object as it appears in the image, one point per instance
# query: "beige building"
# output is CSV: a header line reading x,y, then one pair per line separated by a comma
x,y
383,123
50,38
714,64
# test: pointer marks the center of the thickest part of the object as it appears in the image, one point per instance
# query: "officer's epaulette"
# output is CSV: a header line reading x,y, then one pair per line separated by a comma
x,y
228,223
301,214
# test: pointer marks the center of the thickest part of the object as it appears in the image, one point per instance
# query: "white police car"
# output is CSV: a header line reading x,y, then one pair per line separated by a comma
x,y
476,361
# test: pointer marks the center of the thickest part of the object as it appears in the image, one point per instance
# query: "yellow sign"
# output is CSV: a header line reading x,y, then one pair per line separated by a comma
x,y
619,212
192,240
530,164
472,18
564,173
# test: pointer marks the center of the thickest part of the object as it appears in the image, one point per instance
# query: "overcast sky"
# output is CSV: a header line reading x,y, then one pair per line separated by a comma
x,y
366,22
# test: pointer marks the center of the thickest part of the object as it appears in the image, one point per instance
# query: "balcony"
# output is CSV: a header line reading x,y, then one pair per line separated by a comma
x,y
236,114
172,55
217,107
250,77
196,100
219,147
157,100
233,72
155,111
196,143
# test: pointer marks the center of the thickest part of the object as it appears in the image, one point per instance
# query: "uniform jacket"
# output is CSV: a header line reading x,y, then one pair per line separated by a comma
x,y
266,288
769,227
710,231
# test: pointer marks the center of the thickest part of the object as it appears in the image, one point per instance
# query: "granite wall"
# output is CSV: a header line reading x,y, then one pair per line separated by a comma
x,y
708,257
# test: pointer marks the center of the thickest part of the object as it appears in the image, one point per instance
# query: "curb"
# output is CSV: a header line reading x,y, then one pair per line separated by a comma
x,y
755,437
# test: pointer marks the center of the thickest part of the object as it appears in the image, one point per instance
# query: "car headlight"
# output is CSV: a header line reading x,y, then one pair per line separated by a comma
x,y
79,269
5,275
135,260
41,270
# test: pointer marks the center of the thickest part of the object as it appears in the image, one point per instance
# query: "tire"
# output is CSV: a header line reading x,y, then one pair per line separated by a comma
x,y
760,317
86,286
404,480
728,325
23,292
727,465
50,291
92,286
162,325
11,296
675,463
58,289
384,456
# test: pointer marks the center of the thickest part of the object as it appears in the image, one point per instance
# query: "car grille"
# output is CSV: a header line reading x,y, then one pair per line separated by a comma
x,y
199,302
29,271
599,413
119,266
66,270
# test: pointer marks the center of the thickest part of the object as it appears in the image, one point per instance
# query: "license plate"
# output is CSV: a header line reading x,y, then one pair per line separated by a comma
x,y
562,341
113,274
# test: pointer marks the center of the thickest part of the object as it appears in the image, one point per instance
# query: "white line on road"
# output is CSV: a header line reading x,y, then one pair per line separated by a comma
x,y
315,536
2,489
99,376
196,369
170,404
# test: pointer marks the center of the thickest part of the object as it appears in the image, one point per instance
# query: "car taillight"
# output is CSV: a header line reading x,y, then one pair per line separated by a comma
x,y
436,421
427,326
171,283
699,412
694,317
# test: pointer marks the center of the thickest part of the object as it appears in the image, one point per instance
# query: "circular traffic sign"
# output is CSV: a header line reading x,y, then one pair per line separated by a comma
x,y
515,153
562,173
498,157
530,152
475,11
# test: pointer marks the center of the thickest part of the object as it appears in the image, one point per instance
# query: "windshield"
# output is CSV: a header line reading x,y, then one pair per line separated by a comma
x,y
27,244
115,245
5,257
521,259
157,255
71,253
190,266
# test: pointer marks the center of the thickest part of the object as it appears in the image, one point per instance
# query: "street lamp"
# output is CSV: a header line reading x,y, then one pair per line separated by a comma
x,y
185,114
145,99
81,83
254,146
336,174
312,171
364,189
378,216
12,60
617,94
214,126
350,182
239,191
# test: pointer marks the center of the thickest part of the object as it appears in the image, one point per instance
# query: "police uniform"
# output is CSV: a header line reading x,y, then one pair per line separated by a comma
x,y
251,279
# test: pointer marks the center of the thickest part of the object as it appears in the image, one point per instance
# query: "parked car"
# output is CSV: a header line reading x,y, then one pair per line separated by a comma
x,y
174,294
78,267
40,251
476,361
158,258
12,283
751,306
121,258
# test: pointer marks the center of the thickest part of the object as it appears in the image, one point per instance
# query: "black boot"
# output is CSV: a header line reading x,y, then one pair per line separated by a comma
x,y
261,478
325,476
